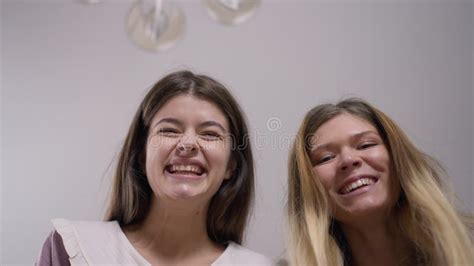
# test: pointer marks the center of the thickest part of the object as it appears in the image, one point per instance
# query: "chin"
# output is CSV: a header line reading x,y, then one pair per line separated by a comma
x,y
183,194
364,208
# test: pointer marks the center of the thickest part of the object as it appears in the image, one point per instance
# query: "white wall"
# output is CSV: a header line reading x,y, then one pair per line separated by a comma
x,y
71,81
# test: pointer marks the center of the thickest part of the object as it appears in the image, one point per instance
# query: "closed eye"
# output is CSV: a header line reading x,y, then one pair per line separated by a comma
x,y
366,145
211,135
168,132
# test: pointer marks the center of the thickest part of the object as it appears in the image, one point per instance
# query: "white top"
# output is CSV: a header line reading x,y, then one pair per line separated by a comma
x,y
104,243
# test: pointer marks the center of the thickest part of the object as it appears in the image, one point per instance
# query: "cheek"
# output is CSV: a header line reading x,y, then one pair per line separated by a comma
x,y
325,175
160,142
157,150
215,147
217,153
380,160
152,159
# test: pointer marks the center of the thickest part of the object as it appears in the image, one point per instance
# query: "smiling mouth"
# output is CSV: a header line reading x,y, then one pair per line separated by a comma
x,y
357,184
185,169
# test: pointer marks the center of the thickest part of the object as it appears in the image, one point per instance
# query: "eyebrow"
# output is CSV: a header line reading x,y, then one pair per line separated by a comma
x,y
355,136
176,122
358,135
167,120
211,124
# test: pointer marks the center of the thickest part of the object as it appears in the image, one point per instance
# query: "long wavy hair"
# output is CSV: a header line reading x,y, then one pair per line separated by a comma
x,y
131,194
436,232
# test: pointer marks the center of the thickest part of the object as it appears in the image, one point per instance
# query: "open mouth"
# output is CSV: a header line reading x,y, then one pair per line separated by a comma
x,y
357,184
185,170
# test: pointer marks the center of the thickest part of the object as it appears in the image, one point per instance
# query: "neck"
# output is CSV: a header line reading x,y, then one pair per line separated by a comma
x,y
172,231
376,243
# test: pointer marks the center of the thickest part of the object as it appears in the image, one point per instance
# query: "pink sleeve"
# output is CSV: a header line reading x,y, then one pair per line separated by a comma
x,y
53,252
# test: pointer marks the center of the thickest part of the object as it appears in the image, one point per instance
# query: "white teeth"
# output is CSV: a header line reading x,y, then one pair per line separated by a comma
x,y
186,168
356,184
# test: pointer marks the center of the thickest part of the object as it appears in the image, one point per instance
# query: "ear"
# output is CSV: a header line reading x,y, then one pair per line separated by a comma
x,y
231,166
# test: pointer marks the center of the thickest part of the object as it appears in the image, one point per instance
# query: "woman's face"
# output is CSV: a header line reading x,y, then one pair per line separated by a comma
x,y
352,162
188,150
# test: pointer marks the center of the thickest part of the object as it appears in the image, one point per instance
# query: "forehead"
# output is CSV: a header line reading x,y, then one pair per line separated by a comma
x,y
342,126
190,108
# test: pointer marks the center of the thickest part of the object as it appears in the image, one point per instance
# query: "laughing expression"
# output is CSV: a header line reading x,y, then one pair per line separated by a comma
x,y
188,150
352,162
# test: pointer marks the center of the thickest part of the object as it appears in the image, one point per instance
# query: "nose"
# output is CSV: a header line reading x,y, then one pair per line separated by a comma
x,y
187,145
349,160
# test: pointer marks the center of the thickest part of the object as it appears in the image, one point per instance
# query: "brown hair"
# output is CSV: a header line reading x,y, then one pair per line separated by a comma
x,y
230,206
423,213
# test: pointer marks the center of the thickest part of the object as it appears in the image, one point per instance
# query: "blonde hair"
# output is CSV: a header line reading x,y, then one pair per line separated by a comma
x,y
424,215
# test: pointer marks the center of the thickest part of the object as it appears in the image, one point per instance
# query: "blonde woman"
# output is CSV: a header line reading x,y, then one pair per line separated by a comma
x,y
360,193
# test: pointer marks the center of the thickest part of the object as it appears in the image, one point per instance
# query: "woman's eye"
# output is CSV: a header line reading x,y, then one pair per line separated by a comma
x,y
324,159
366,145
210,135
168,132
